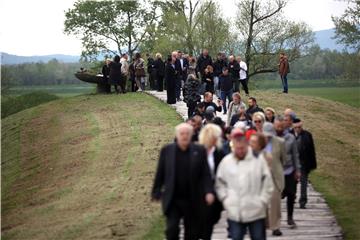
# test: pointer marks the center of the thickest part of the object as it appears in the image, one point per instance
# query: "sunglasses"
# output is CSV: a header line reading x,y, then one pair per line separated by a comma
x,y
257,121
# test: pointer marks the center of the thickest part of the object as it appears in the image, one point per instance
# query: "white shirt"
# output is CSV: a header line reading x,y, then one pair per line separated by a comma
x,y
242,72
211,162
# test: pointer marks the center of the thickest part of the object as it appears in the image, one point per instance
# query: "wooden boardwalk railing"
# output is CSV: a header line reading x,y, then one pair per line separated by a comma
x,y
313,223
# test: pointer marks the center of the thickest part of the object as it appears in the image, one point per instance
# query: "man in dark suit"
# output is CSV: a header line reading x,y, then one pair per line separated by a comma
x,y
307,155
183,184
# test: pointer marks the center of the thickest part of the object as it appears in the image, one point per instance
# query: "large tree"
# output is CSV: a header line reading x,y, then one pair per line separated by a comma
x,y
265,32
109,27
347,26
189,25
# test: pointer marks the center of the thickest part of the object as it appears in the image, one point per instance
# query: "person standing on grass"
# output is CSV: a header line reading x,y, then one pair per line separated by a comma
x,y
226,87
244,186
307,155
183,184
132,77
105,72
243,75
211,138
191,94
283,71
234,107
115,73
159,67
124,71
276,152
234,69
139,66
291,168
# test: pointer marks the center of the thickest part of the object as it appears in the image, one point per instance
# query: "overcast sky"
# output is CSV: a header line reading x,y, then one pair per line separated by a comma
x,y
35,27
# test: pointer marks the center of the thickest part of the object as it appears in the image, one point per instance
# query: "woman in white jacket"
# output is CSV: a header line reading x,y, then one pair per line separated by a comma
x,y
244,186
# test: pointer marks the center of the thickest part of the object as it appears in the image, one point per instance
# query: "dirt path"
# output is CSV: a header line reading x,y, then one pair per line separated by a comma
x,y
315,222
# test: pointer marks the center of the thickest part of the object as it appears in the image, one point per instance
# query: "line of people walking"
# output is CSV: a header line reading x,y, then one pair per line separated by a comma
x,y
244,166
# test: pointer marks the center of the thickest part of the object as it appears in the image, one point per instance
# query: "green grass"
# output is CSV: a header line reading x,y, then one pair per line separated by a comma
x,y
11,104
350,96
67,90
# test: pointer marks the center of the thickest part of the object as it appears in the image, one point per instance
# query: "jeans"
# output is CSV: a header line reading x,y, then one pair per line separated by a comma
x,y
284,83
224,95
236,82
256,229
216,86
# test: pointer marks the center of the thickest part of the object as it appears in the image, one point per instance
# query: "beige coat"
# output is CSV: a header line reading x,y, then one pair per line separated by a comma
x,y
278,160
244,187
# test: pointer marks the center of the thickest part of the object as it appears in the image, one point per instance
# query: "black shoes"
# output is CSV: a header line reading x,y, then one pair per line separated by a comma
x,y
302,206
277,232
291,223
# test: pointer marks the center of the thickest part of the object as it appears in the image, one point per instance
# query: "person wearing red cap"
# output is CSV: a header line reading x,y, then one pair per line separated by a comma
x,y
244,186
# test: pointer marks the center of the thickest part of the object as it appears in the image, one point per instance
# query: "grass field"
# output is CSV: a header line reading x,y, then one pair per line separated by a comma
x,y
88,170
350,96
82,167
59,90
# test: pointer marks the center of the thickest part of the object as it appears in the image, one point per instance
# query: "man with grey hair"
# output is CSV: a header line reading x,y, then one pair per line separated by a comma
x,y
276,157
183,184
291,167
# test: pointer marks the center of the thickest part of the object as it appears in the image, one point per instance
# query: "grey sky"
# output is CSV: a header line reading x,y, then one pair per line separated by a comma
x,y
36,27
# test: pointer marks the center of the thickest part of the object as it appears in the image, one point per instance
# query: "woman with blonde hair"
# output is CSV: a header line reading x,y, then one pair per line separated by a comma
x,y
211,138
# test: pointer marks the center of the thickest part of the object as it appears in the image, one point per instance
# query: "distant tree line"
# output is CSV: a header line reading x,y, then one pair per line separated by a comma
x,y
50,73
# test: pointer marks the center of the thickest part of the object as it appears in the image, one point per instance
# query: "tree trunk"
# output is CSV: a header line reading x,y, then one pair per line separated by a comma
x,y
250,38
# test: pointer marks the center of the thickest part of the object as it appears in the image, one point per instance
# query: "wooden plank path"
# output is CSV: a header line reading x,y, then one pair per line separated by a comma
x,y
315,222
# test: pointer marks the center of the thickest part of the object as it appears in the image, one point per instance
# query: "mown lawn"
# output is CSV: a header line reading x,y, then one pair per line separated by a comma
x,y
82,167
347,95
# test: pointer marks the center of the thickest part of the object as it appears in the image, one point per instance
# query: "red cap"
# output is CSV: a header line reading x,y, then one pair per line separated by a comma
x,y
237,132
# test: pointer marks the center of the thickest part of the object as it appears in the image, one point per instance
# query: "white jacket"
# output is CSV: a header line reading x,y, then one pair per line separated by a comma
x,y
244,187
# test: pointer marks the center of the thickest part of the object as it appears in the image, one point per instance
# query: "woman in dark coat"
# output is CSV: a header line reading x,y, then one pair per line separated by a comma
x,y
211,138
106,71
170,78
192,94
159,67
115,73
208,79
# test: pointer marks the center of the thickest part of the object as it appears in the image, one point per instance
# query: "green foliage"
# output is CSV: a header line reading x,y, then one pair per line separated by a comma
x,y
264,31
105,25
341,67
51,73
347,26
190,26
11,105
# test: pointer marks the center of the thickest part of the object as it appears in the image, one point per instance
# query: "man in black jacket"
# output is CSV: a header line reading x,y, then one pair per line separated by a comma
x,y
219,65
234,69
253,107
203,61
183,184
208,101
307,155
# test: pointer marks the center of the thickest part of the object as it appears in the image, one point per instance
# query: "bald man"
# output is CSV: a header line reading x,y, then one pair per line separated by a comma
x,y
183,184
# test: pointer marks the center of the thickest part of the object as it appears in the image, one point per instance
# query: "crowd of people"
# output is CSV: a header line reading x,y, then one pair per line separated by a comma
x,y
244,166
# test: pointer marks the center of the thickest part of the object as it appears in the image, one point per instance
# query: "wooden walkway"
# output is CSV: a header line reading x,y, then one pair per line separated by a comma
x,y
315,222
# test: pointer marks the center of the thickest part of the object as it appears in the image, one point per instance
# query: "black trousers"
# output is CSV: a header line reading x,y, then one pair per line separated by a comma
x,y
210,217
191,108
181,209
123,84
290,193
160,83
244,83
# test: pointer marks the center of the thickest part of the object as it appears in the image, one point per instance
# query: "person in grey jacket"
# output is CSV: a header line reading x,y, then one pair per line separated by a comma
x,y
291,168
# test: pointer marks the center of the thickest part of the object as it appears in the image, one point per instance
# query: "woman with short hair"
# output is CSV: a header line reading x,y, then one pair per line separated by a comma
x,y
211,138
159,67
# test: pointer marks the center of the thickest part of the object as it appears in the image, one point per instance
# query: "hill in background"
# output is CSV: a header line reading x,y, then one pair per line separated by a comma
x,y
323,38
